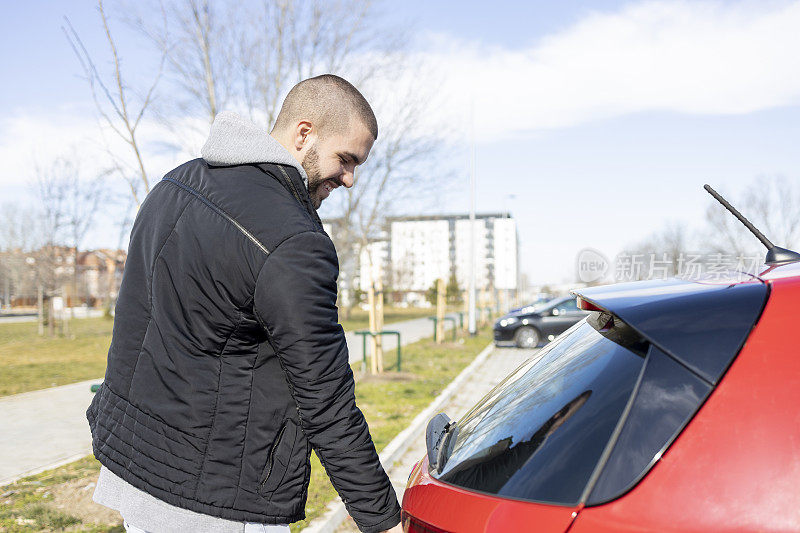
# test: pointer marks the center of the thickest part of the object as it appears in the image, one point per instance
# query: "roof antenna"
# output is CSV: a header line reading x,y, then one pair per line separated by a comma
x,y
775,254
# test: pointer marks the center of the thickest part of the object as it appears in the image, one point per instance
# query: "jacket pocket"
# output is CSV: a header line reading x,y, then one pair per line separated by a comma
x,y
278,460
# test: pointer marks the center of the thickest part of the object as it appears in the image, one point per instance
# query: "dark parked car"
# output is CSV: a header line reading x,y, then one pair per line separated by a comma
x,y
530,326
539,301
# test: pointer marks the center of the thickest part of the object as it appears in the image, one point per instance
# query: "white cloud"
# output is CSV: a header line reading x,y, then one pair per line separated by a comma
x,y
31,138
692,57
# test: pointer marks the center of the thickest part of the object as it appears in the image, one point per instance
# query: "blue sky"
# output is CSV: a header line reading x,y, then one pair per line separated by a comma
x,y
507,23
45,71
604,119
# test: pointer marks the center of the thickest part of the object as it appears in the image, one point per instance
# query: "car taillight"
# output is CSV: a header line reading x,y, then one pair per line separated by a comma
x,y
587,306
413,525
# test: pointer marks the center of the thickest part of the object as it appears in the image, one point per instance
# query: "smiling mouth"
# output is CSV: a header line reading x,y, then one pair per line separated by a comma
x,y
329,185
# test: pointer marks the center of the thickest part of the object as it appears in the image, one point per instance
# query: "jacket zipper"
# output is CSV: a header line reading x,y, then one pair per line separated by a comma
x,y
291,185
219,211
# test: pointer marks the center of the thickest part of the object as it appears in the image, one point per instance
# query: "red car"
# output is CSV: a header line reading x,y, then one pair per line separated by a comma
x,y
674,407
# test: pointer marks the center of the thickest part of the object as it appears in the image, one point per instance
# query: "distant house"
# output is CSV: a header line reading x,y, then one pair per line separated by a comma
x,y
91,280
100,274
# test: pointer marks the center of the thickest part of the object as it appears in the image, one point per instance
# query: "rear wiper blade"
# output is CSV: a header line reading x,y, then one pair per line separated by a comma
x,y
435,434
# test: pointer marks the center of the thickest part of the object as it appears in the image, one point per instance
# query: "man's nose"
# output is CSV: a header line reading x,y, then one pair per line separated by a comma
x,y
348,179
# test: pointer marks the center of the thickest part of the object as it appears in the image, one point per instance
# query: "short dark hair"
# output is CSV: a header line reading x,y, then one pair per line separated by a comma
x,y
330,102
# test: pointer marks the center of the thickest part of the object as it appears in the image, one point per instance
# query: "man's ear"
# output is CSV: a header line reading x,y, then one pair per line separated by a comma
x,y
304,134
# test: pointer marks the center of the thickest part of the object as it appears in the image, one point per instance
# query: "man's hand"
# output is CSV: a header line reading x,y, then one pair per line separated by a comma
x,y
396,529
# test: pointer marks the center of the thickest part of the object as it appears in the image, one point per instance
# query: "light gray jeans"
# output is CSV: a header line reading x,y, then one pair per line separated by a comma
x,y
249,527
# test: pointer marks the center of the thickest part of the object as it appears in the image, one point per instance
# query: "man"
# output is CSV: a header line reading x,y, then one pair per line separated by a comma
x,y
227,363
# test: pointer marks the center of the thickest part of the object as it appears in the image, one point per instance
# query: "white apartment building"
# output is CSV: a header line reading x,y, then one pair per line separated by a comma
x,y
373,261
410,253
505,249
419,252
425,248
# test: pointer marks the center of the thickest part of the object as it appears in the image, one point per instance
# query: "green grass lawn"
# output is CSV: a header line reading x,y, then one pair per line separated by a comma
x,y
57,500
389,403
31,362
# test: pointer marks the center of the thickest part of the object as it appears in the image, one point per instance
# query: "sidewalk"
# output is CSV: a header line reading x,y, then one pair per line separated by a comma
x,y
500,363
410,331
46,428
80,312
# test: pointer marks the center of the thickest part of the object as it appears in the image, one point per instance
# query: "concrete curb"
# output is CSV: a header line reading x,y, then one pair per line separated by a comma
x,y
336,512
40,392
40,469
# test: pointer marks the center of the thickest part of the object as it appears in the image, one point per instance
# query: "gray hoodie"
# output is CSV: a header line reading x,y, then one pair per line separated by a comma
x,y
234,140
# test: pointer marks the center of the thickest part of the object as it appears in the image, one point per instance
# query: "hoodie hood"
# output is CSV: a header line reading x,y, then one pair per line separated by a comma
x,y
234,140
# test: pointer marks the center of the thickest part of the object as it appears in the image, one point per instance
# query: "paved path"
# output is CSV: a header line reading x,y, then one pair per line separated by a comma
x,y
13,319
410,331
498,365
43,429
80,312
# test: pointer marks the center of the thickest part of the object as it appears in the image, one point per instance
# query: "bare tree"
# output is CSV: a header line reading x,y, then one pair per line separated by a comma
x,y
118,107
85,199
49,260
724,244
310,38
251,69
772,204
123,227
221,56
198,40
660,254
16,228
68,206
16,240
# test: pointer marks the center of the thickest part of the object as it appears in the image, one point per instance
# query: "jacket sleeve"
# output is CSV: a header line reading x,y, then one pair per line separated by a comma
x,y
295,298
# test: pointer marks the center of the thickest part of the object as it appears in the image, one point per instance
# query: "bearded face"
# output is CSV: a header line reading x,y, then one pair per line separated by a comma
x,y
316,188
331,161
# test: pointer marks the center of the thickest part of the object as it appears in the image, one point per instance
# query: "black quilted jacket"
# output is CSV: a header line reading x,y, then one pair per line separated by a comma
x,y
227,363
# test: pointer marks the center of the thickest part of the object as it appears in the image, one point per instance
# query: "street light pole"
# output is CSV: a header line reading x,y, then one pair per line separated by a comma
x,y
472,326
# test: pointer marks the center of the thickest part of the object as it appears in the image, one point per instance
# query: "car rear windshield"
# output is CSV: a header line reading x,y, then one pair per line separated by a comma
x,y
539,435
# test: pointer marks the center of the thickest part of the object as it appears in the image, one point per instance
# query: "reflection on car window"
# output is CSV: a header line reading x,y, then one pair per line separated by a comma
x,y
668,396
539,434
568,306
481,470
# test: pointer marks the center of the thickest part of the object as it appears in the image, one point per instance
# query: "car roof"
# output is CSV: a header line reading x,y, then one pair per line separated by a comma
x,y
786,270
